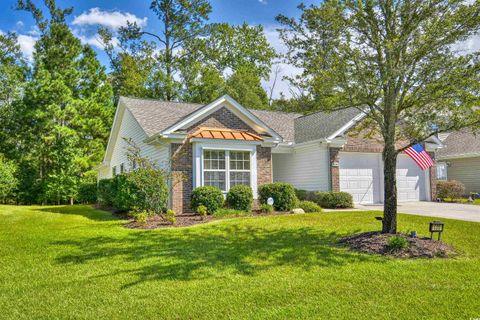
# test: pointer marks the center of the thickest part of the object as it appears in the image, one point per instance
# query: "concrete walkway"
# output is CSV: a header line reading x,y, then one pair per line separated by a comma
x,y
467,212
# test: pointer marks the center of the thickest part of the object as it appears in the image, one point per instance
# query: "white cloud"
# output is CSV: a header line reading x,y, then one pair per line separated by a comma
x,y
27,45
263,1
19,25
109,19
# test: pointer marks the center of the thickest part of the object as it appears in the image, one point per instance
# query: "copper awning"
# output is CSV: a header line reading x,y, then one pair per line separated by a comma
x,y
225,134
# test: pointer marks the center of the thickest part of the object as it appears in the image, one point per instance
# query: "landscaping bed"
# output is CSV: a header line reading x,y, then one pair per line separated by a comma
x,y
186,220
378,243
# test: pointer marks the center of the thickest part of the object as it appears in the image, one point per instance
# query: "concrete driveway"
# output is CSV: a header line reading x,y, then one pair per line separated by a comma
x,y
467,212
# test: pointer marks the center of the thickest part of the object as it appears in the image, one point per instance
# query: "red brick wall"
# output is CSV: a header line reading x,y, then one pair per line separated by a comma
x,y
433,178
358,142
222,118
264,165
182,177
182,171
334,169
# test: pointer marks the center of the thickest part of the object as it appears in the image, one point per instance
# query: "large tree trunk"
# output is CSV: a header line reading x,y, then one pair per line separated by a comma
x,y
390,184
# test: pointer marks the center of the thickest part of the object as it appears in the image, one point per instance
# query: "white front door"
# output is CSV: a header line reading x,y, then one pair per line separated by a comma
x,y
360,175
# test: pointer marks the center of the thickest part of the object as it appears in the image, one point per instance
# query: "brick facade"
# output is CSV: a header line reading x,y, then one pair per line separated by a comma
x,y
182,176
222,118
335,169
264,165
433,178
182,171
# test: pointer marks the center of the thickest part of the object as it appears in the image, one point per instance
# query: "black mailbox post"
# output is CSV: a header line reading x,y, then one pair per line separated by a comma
x,y
436,226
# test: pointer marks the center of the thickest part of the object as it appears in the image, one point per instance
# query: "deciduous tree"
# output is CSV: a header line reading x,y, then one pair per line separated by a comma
x,y
398,60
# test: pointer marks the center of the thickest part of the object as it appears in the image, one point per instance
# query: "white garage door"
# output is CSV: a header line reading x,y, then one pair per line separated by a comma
x,y
411,184
361,175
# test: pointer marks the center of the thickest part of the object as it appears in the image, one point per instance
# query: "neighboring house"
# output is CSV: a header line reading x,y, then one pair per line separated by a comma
x,y
223,144
460,159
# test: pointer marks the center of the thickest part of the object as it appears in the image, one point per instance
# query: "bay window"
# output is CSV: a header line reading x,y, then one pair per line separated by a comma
x,y
226,168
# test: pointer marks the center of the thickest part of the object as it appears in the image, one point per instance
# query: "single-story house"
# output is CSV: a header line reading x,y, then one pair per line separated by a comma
x,y
459,159
224,144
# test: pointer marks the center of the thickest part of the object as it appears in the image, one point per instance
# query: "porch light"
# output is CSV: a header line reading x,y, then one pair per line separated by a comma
x,y
436,226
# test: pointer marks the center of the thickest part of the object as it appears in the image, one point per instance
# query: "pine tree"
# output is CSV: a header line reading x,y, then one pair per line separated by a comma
x,y
67,110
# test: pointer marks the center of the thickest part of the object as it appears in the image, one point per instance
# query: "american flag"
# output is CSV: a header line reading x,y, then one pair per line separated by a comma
x,y
420,156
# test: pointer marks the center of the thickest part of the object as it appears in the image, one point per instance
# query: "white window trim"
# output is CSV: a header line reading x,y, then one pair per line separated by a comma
x,y
198,161
445,165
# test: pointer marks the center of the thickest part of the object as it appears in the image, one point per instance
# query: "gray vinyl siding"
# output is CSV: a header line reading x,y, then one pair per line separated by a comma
x,y
306,168
467,171
129,128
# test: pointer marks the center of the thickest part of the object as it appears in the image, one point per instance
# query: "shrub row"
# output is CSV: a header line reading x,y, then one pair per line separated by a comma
x,y
333,200
284,195
239,197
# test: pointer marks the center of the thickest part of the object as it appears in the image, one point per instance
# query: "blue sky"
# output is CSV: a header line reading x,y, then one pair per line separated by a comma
x,y
88,15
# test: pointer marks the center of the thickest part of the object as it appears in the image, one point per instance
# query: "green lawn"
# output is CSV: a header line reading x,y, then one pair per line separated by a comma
x,y
78,263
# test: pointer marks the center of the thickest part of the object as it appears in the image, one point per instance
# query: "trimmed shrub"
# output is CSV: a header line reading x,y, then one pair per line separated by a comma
x,y
240,197
451,189
142,189
397,243
147,189
283,195
333,200
309,206
266,208
209,196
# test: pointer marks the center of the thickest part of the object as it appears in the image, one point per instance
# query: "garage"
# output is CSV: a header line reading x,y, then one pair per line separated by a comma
x,y
361,175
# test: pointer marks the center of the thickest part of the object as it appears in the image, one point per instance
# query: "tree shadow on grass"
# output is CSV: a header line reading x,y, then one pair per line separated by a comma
x,y
86,211
205,252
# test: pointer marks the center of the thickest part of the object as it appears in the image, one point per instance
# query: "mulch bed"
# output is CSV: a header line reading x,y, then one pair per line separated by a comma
x,y
419,247
185,220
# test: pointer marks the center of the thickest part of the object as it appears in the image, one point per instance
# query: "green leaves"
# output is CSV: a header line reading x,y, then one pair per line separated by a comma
x,y
64,117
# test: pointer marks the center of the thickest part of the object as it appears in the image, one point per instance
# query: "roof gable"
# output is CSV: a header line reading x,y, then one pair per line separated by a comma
x,y
229,103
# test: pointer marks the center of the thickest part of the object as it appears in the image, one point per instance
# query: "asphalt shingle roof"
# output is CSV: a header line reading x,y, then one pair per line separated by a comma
x,y
460,143
281,122
322,124
155,116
